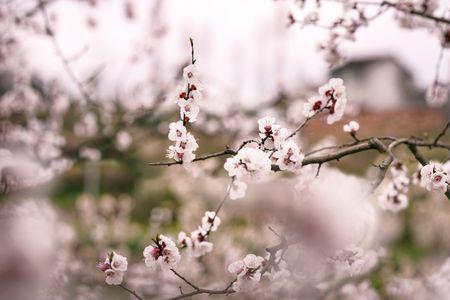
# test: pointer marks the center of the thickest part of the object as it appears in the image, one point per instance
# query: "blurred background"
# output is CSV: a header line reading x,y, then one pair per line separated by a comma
x,y
86,96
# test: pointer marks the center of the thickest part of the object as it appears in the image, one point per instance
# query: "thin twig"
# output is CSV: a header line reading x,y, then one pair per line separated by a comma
x,y
185,280
131,292
65,62
442,133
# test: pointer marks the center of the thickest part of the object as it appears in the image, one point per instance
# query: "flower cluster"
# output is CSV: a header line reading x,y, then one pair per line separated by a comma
x,y
114,268
248,163
270,131
435,177
248,272
196,244
393,198
188,100
185,143
254,163
163,253
286,153
332,97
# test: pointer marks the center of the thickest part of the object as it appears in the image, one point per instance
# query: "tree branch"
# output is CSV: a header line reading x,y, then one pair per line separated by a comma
x,y
131,292
442,133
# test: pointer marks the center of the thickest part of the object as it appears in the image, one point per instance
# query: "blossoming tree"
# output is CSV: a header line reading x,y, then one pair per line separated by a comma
x,y
275,152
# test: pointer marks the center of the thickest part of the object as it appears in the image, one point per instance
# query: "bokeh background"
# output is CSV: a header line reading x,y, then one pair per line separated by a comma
x,y
129,55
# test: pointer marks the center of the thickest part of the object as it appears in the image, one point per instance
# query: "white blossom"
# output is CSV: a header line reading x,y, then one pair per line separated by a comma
x,y
190,75
184,240
434,177
313,105
238,190
351,127
163,253
393,201
266,126
332,97
199,245
177,131
248,163
113,277
114,268
118,262
210,221
189,110
289,156
248,272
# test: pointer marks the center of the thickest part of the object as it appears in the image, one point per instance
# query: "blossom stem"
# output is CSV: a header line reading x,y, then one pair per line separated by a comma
x,y
131,292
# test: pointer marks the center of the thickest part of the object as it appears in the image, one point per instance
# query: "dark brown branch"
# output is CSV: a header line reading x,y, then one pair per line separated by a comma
x,y
227,151
399,8
198,291
423,161
271,262
442,133
416,12
131,292
185,280
418,155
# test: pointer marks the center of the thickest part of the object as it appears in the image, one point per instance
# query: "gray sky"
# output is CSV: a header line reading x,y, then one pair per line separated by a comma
x,y
244,48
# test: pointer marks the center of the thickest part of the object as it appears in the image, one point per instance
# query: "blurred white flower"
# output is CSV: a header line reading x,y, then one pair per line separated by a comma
x,y
440,281
393,201
248,272
238,190
437,95
351,127
123,140
361,291
354,260
91,154
199,245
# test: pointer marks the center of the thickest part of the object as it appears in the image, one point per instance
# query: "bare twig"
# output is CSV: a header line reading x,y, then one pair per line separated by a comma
x,y
397,7
384,166
185,280
227,151
65,62
442,133
131,292
415,152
